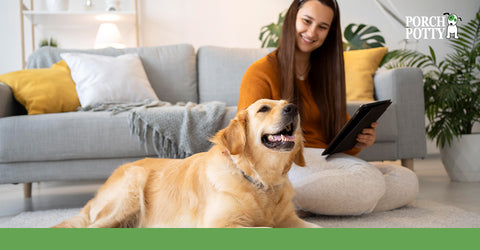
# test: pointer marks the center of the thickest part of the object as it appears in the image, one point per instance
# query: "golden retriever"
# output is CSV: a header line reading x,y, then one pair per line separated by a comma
x,y
240,182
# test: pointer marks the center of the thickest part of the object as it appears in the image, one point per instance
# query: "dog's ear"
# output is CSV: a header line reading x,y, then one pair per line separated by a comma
x,y
299,159
233,137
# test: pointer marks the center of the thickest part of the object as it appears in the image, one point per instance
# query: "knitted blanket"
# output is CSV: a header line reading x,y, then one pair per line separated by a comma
x,y
173,131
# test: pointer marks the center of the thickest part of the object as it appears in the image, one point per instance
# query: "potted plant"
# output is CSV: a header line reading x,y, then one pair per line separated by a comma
x,y
48,42
452,99
270,34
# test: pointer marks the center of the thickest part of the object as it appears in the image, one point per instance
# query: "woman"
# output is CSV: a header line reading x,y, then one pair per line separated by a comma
x,y
308,70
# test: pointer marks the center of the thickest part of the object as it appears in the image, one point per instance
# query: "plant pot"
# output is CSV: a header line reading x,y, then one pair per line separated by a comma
x,y
112,5
462,158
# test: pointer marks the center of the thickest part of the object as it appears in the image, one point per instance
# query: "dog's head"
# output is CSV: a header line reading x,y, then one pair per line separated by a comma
x,y
265,139
452,18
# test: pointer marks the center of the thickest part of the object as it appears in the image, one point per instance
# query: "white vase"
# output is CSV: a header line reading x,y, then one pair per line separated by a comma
x,y
57,5
462,159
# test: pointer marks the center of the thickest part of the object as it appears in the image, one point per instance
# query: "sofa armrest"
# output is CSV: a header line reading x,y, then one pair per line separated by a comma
x,y
8,105
404,86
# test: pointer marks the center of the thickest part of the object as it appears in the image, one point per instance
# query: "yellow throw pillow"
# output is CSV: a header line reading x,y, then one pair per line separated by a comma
x,y
360,67
41,91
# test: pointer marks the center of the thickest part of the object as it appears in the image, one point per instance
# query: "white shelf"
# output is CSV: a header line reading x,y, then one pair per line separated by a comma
x,y
71,19
78,18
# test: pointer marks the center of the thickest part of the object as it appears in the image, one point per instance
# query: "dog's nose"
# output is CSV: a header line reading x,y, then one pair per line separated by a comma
x,y
290,109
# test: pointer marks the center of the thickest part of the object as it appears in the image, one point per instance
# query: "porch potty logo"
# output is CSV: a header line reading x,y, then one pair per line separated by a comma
x,y
433,27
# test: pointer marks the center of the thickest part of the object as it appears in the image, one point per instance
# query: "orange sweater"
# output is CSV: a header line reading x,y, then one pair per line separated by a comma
x,y
263,80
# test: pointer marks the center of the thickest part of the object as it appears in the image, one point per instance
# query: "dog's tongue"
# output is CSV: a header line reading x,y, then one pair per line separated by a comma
x,y
275,138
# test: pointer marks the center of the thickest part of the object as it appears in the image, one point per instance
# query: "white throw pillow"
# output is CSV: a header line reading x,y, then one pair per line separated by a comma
x,y
106,79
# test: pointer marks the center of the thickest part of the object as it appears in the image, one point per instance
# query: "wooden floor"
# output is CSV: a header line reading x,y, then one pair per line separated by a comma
x,y
434,185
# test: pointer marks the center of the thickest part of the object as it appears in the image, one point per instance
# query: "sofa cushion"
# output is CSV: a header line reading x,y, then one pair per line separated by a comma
x,y
40,91
106,79
73,135
360,67
220,72
65,136
171,69
101,135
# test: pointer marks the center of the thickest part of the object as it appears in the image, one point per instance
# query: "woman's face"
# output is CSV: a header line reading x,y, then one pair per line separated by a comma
x,y
313,23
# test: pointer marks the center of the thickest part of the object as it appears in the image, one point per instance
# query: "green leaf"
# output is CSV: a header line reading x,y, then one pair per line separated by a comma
x,y
432,53
270,34
361,36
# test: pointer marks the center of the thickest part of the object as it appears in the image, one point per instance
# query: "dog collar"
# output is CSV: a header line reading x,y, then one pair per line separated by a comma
x,y
257,184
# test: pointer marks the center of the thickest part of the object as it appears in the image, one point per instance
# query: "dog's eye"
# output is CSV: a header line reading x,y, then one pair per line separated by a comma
x,y
264,109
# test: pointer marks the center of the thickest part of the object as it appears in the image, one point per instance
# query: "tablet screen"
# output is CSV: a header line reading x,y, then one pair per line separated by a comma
x,y
363,118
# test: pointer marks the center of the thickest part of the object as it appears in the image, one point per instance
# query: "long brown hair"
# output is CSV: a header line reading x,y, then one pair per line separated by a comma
x,y
327,73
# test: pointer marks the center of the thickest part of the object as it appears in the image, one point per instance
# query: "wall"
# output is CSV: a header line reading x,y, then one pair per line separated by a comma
x,y
208,22
222,22
369,12
10,50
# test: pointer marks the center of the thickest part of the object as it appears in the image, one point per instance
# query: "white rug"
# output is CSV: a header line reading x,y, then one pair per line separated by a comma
x,y
422,214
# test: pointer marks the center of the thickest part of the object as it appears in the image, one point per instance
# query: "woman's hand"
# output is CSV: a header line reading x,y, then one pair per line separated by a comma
x,y
367,137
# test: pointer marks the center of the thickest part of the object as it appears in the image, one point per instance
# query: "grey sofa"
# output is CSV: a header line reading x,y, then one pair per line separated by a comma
x,y
90,145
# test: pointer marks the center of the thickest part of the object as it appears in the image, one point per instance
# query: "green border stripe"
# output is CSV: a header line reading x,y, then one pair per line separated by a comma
x,y
238,238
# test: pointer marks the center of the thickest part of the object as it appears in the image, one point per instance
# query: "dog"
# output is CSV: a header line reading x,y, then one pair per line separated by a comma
x,y
452,25
240,182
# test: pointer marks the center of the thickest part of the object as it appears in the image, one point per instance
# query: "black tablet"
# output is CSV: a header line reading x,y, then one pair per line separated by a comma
x,y
363,118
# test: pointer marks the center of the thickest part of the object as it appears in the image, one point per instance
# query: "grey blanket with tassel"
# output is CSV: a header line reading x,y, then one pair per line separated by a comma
x,y
173,131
